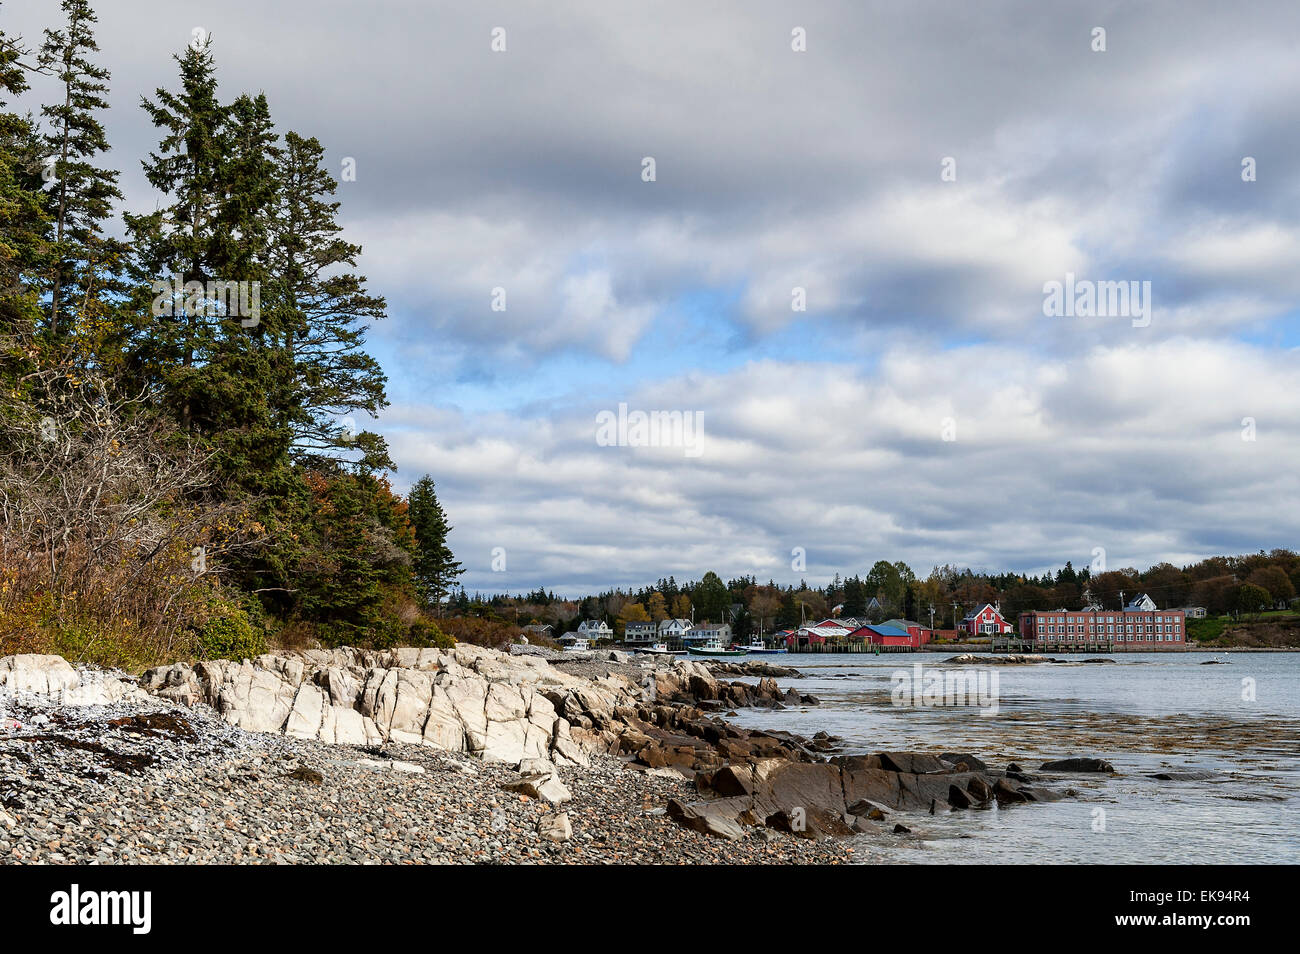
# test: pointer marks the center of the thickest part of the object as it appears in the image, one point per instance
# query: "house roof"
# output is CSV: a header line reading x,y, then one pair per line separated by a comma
x,y
881,629
974,613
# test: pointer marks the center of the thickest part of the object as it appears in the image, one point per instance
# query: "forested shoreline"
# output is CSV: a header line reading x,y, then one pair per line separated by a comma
x,y
1235,587
181,470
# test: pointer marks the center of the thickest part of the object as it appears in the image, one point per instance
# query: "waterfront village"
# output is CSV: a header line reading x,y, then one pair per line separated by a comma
x,y
1139,626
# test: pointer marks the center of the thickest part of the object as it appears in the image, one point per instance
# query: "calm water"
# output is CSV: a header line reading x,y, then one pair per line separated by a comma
x,y
1145,713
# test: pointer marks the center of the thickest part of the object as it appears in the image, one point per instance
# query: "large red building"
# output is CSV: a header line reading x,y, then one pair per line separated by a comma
x,y
1138,625
893,633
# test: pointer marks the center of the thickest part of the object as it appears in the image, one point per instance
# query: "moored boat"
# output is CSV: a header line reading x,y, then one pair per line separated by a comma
x,y
714,647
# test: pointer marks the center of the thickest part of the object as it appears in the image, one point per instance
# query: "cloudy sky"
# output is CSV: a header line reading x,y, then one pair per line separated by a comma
x,y
920,171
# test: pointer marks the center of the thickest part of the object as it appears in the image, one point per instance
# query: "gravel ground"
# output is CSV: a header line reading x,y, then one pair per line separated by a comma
x,y
75,788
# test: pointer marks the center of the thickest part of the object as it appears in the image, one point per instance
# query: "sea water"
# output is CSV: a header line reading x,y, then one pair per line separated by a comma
x,y
1237,717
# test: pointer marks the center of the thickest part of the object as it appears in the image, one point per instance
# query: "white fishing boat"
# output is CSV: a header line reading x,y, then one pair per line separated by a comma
x,y
658,649
578,645
713,647
759,647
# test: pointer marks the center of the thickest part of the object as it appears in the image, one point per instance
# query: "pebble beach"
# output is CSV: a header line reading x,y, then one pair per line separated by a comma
x,y
132,784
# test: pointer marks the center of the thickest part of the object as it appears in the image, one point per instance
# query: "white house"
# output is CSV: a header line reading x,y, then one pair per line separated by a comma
x,y
594,629
674,628
1141,604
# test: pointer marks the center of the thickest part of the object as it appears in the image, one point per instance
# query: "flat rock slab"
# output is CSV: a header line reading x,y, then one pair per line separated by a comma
x,y
1077,765
706,818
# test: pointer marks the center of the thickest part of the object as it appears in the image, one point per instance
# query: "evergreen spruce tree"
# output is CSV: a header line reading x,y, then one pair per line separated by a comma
x,y
24,249
435,567
223,370
248,375
181,241
711,599
86,263
322,309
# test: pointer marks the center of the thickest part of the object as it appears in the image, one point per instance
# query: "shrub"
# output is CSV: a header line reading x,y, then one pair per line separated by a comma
x,y
426,634
496,634
231,635
111,530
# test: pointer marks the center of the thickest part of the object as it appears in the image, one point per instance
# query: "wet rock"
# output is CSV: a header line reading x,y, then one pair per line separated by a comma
x,y
1007,792
979,789
971,762
1036,793
916,763
959,798
1077,765
998,659
865,808
810,823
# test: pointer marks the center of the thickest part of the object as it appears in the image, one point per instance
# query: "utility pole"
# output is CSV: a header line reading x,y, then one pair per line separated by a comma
x,y
1123,617
931,617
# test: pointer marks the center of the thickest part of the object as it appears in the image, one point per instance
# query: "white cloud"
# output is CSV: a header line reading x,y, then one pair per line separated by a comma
x,y
1135,449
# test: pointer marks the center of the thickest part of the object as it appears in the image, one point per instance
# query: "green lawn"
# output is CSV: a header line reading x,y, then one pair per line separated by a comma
x,y
1208,629
1212,627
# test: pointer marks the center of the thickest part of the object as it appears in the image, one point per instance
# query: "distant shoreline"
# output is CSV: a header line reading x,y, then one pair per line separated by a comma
x,y
984,650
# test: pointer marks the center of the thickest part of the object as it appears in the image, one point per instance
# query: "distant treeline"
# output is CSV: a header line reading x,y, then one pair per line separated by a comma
x,y
1223,585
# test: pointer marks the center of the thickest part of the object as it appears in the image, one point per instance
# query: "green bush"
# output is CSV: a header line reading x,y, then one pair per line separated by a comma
x,y
427,635
231,635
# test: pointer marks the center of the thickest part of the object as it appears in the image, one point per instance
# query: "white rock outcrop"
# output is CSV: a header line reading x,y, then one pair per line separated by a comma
x,y
51,680
496,706
468,699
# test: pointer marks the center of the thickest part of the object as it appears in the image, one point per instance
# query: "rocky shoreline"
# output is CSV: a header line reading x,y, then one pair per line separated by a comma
x,y
467,755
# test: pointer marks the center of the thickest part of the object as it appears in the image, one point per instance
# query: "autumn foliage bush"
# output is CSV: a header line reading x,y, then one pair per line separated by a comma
x,y
106,525
481,631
